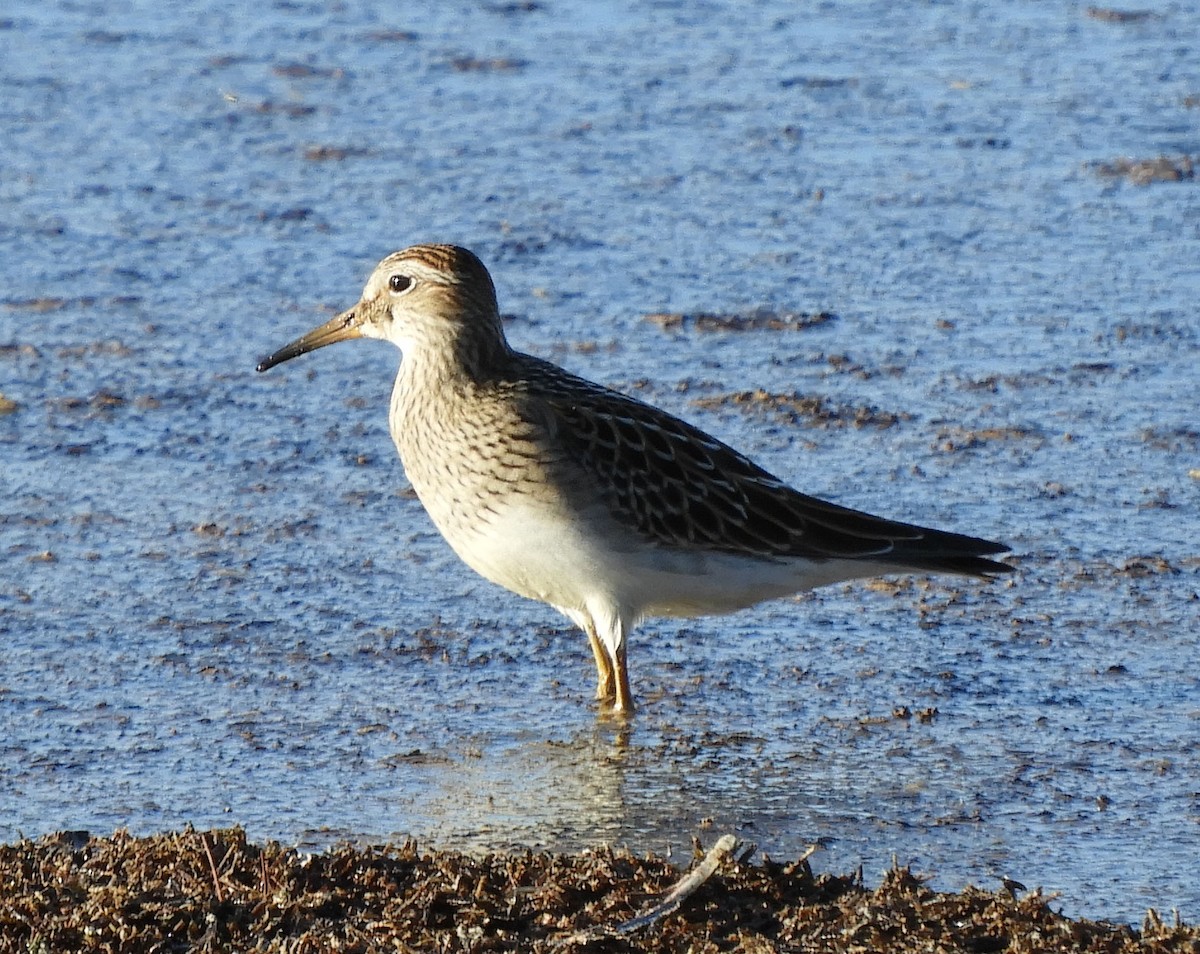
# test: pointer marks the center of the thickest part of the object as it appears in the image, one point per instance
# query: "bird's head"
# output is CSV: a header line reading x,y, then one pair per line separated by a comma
x,y
437,299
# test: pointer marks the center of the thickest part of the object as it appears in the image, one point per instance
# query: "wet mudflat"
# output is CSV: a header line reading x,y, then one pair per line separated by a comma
x,y
937,263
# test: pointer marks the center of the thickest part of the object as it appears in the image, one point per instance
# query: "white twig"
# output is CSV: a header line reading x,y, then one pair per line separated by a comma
x,y
683,889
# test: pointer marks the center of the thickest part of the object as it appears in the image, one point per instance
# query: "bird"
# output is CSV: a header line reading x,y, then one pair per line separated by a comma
x,y
598,504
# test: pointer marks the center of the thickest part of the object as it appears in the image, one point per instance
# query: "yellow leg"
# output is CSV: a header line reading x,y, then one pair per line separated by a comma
x,y
605,685
624,703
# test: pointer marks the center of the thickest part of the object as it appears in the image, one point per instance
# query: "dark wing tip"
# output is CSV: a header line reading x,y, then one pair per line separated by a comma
x,y
979,566
941,552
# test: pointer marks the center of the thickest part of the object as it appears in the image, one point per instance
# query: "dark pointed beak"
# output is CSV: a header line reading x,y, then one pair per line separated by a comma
x,y
346,325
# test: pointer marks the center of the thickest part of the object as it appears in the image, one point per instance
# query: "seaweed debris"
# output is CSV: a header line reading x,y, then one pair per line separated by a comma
x,y
215,890
763,319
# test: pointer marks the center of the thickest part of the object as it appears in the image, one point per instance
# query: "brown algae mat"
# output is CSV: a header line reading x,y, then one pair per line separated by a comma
x,y
216,891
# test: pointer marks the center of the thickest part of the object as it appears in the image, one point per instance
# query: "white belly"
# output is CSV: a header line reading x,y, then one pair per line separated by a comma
x,y
580,562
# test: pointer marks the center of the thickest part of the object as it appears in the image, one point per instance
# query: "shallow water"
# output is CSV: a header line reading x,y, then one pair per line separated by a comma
x,y
219,604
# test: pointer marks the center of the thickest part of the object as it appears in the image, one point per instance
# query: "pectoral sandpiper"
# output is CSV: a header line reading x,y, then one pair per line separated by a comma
x,y
606,508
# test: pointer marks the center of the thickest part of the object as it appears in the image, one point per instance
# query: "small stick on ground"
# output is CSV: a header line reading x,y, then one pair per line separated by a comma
x,y
683,889
212,865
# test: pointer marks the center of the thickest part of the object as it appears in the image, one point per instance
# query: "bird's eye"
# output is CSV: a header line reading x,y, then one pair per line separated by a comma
x,y
399,283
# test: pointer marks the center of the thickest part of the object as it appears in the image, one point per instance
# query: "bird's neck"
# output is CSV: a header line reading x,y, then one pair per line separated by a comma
x,y
436,402
453,366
